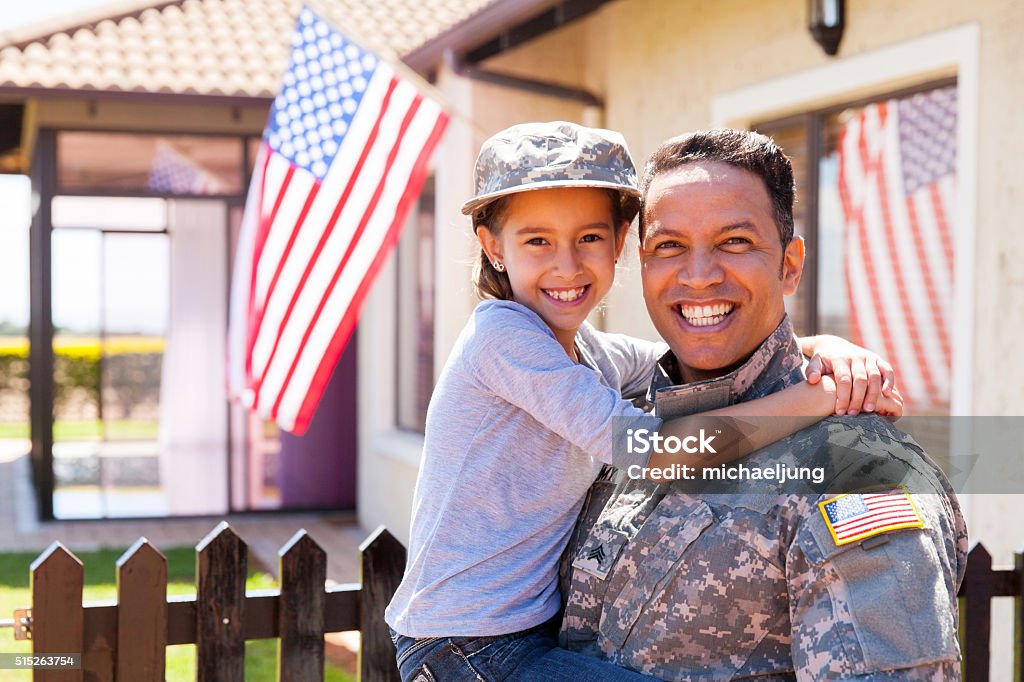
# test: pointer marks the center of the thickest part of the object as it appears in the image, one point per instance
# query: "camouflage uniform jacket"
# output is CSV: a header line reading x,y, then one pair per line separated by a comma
x,y
752,584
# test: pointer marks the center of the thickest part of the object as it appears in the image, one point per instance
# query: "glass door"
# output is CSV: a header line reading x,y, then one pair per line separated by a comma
x,y
110,312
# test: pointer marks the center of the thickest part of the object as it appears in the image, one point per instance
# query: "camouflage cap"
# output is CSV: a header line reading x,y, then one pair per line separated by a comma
x,y
532,156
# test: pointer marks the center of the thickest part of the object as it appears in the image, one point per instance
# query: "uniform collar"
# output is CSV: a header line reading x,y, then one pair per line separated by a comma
x,y
774,365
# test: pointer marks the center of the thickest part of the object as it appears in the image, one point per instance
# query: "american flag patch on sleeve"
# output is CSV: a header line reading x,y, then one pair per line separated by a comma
x,y
861,515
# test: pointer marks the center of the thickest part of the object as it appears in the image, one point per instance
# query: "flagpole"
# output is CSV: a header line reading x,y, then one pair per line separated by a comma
x,y
388,54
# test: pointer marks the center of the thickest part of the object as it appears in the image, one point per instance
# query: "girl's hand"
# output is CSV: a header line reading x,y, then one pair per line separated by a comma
x,y
864,380
890,406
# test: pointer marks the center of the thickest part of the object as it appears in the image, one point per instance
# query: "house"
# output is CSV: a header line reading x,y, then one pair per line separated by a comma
x,y
648,68
138,123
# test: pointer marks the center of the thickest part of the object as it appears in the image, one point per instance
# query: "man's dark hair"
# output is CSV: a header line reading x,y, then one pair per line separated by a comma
x,y
742,149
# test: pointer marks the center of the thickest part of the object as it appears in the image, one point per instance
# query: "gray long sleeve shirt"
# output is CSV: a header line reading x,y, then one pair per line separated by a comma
x,y
516,434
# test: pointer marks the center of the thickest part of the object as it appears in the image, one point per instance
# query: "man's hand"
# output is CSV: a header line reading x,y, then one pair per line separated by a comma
x,y
865,382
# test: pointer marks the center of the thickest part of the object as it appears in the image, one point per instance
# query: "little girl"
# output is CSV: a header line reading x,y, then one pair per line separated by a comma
x,y
522,418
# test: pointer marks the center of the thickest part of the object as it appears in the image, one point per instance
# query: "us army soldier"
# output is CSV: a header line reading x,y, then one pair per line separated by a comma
x,y
757,581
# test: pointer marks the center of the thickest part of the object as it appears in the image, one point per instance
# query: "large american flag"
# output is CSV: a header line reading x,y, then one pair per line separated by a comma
x,y
897,185
343,158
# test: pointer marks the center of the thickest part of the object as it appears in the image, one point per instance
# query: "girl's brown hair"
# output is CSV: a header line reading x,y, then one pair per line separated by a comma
x,y
489,282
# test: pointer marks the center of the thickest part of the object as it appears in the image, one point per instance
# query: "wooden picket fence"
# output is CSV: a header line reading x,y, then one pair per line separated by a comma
x,y
981,584
125,640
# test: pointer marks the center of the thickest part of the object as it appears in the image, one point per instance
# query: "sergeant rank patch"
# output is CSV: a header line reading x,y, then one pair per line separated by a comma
x,y
857,516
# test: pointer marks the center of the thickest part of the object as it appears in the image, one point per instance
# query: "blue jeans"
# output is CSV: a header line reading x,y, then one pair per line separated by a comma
x,y
528,656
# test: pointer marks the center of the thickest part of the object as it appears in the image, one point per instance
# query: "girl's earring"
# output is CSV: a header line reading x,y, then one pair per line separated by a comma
x,y
498,265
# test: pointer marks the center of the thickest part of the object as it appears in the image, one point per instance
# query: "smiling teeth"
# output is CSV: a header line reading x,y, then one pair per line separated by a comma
x,y
705,315
565,294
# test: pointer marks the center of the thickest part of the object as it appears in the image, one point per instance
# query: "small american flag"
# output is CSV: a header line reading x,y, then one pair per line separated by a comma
x,y
897,185
343,158
860,515
174,173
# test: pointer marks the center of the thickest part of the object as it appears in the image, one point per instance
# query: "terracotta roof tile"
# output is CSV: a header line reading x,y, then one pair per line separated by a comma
x,y
235,48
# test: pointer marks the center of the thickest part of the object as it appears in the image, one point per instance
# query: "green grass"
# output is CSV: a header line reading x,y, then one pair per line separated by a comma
x,y
119,429
100,583
19,430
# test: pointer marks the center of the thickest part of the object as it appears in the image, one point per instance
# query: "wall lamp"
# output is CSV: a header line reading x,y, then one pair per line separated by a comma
x,y
826,20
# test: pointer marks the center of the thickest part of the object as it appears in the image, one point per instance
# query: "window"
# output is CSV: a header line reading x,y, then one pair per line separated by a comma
x,y
139,291
170,164
414,376
876,197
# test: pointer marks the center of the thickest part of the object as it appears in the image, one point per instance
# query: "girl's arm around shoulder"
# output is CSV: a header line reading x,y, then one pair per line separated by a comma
x,y
747,427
